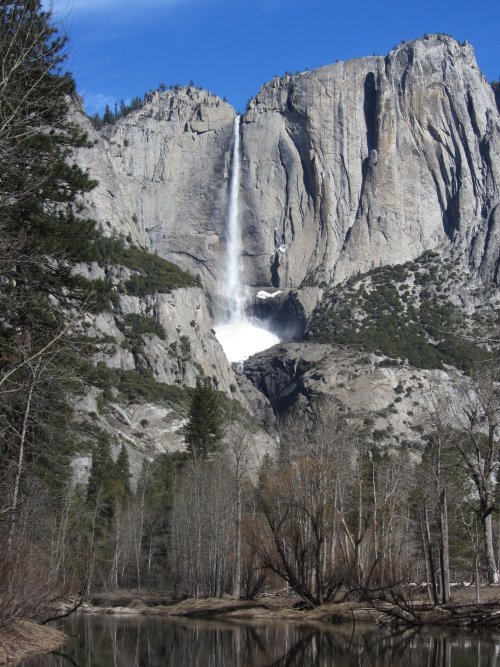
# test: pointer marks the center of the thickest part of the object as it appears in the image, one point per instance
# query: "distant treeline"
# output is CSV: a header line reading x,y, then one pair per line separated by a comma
x,y
122,109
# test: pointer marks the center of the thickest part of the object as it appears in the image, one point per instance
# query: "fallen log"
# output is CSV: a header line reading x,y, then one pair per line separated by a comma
x,y
486,614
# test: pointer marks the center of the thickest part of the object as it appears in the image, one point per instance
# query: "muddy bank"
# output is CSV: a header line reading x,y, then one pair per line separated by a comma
x,y
463,611
23,639
271,608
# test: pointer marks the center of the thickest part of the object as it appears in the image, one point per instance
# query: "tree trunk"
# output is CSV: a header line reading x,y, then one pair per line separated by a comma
x,y
444,548
20,463
476,571
489,550
430,556
237,556
426,561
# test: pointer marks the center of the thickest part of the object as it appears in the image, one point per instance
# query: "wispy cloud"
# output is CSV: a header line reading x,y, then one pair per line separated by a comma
x,y
94,6
96,102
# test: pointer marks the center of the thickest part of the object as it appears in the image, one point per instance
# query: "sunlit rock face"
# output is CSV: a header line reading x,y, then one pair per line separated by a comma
x,y
162,174
372,161
351,166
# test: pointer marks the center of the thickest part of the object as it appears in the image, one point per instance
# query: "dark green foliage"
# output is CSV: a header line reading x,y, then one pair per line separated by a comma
x,y
41,231
138,385
109,481
165,280
122,470
101,295
375,312
155,495
110,117
41,236
204,431
159,478
135,327
102,472
151,272
185,346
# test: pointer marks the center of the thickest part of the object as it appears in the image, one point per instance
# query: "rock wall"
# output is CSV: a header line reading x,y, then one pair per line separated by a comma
x,y
372,162
351,166
163,175
345,168
391,403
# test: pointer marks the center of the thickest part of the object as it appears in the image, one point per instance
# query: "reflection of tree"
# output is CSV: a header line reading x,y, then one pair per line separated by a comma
x,y
296,655
150,642
316,648
251,647
65,658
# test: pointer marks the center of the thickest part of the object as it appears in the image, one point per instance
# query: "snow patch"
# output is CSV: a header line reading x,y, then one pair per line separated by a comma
x,y
267,295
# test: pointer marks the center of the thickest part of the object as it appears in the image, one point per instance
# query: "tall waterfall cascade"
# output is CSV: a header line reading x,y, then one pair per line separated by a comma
x,y
239,335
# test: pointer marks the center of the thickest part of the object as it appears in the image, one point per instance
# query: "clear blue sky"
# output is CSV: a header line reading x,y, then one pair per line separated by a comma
x,y
121,48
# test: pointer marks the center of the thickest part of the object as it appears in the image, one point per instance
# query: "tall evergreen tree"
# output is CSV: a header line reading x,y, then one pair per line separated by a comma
x,y
205,427
102,470
42,234
122,470
108,117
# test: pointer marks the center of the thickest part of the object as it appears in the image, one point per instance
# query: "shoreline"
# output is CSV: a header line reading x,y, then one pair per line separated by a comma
x,y
262,609
24,639
463,614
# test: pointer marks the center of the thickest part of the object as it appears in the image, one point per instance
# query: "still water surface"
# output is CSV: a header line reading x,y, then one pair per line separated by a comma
x,y
138,641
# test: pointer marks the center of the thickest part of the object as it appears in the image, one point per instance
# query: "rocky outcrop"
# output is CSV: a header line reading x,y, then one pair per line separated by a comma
x,y
162,175
190,347
351,166
285,312
390,401
360,164
152,349
371,162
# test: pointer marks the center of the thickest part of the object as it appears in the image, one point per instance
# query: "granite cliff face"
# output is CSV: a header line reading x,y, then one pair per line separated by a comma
x,y
354,166
372,162
162,177
351,166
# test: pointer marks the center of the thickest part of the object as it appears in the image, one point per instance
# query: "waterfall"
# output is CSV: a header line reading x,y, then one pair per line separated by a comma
x,y
233,289
239,336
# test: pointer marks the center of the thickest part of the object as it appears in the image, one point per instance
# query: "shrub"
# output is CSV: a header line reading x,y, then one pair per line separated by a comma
x,y
152,273
427,333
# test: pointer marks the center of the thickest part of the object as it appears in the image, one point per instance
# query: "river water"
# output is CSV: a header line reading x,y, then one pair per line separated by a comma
x,y
142,641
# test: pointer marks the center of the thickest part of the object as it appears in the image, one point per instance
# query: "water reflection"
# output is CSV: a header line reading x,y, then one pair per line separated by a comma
x,y
105,641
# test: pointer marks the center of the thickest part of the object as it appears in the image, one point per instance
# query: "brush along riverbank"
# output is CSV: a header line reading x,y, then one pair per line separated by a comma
x,y
414,610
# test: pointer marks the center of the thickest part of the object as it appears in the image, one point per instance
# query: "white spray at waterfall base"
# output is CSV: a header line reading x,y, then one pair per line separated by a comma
x,y
240,340
239,336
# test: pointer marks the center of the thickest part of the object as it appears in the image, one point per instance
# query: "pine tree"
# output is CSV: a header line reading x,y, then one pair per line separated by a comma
x,y
122,470
102,471
42,234
204,431
108,117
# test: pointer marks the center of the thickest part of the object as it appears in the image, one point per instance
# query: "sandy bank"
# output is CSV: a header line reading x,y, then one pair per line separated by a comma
x,y
23,639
